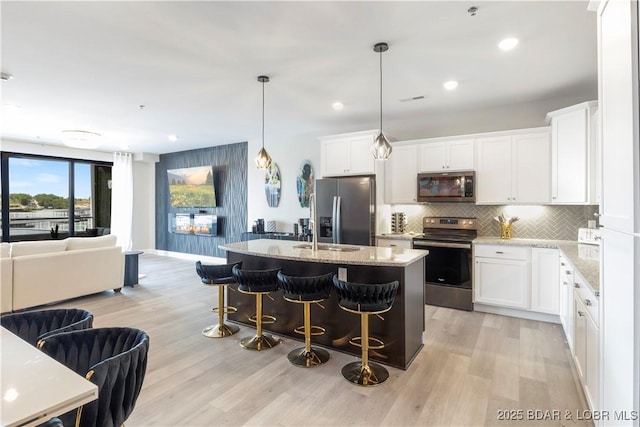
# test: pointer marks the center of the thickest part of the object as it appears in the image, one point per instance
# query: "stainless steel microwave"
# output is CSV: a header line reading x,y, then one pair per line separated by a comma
x,y
450,187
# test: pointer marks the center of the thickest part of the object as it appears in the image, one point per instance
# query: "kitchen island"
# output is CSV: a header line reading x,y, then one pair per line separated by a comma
x,y
402,327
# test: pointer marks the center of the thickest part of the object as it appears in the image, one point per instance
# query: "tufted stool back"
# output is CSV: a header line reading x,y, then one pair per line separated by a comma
x,y
32,326
364,297
115,359
220,274
256,280
314,288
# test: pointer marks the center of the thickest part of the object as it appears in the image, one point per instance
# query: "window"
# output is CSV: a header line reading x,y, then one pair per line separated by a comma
x,y
47,197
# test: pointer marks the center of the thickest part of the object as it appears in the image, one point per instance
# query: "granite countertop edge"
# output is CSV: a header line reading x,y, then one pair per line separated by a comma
x,y
588,269
366,255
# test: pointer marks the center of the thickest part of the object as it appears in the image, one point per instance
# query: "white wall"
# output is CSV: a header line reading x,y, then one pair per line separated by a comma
x,y
288,154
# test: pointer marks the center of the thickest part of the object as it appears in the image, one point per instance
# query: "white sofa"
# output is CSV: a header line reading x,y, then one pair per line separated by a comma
x,y
42,272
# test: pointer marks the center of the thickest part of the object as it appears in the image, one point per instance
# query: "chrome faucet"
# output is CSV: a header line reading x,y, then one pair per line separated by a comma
x,y
313,221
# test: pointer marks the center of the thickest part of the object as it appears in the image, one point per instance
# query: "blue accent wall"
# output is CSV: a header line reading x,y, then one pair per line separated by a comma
x,y
230,176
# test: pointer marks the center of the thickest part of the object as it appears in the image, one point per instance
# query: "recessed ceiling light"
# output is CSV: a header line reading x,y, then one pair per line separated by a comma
x,y
450,85
6,76
173,137
337,106
508,43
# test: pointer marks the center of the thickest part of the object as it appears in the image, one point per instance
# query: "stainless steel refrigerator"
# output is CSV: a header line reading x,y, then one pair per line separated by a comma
x,y
346,210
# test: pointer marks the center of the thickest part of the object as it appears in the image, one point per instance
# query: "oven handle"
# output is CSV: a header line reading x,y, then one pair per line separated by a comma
x,y
425,244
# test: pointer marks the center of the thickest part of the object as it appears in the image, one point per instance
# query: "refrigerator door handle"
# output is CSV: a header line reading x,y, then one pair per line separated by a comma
x,y
337,220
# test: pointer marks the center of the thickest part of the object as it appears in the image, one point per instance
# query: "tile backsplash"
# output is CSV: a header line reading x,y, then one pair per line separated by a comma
x,y
536,222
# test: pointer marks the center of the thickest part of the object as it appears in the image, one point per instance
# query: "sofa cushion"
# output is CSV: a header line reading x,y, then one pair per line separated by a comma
x,y
37,247
5,250
75,243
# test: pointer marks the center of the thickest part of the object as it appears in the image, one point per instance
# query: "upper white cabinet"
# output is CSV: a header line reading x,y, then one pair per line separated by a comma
x,y
454,155
347,154
514,168
574,154
401,171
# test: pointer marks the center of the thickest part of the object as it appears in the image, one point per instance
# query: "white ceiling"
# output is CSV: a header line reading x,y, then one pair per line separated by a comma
x,y
194,65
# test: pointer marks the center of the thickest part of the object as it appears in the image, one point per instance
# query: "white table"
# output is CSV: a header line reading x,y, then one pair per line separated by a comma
x,y
35,387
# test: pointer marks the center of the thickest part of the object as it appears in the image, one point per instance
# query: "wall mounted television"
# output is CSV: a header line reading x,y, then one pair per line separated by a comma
x,y
192,187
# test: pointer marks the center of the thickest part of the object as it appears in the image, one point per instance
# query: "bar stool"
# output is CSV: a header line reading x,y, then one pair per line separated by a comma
x,y
220,276
258,283
365,299
307,290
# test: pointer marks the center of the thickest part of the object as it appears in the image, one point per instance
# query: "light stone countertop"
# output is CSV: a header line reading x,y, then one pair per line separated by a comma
x,y
398,236
584,258
364,255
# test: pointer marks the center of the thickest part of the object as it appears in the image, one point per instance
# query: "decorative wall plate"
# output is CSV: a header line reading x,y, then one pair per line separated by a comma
x,y
272,185
304,183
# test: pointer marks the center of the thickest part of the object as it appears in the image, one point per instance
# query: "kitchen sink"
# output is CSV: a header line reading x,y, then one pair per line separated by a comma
x,y
324,247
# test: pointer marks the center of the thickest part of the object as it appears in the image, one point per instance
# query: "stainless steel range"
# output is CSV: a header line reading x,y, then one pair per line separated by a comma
x,y
448,275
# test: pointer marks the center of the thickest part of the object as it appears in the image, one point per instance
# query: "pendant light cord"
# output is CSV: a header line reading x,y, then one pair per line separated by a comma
x,y
263,114
381,92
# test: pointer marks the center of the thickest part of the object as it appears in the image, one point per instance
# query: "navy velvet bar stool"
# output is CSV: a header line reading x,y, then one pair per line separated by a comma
x,y
365,299
307,291
258,283
218,275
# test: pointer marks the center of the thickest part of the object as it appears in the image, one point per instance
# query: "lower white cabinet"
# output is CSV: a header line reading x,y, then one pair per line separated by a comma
x,y
502,276
566,299
586,342
545,289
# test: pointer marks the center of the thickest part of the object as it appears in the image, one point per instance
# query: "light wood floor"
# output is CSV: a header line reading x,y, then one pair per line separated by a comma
x,y
472,367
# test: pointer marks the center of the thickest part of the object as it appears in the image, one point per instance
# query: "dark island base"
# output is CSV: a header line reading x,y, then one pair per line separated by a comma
x,y
402,327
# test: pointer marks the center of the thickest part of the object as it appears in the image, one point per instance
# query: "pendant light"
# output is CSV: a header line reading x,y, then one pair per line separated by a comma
x,y
381,149
263,159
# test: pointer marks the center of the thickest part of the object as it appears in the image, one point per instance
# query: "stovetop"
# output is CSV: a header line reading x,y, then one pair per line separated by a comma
x,y
449,229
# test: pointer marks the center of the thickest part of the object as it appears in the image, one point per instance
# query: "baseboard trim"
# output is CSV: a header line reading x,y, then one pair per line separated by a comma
x,y
512,312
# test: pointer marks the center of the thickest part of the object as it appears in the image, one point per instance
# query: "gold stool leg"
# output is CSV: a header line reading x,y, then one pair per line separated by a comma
x,y
308,356
364,373
220,330
259,341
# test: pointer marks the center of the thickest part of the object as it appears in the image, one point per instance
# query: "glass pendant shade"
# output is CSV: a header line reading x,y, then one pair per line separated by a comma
x,y
263,159
381,149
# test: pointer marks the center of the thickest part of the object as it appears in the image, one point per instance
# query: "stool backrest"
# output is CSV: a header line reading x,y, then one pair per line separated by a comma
x,y
365,297
311,288
256,280
212,274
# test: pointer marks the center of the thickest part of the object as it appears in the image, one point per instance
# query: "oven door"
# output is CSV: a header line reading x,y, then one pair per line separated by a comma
x,y
448,264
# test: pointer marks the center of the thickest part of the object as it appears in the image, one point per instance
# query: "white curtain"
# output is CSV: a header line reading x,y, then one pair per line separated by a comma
x,y
122,199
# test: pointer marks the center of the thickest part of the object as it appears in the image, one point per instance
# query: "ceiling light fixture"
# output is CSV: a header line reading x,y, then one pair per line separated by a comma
x,y
81,139
6,76
450,85
337,106
263,159
173,137
381,149
508,44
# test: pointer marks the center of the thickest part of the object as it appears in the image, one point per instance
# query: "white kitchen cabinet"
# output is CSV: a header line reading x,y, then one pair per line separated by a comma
x,y
586,345
574,162
401,173
566,299
347,154
394,243
455,155
545,288
502,276
514,168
